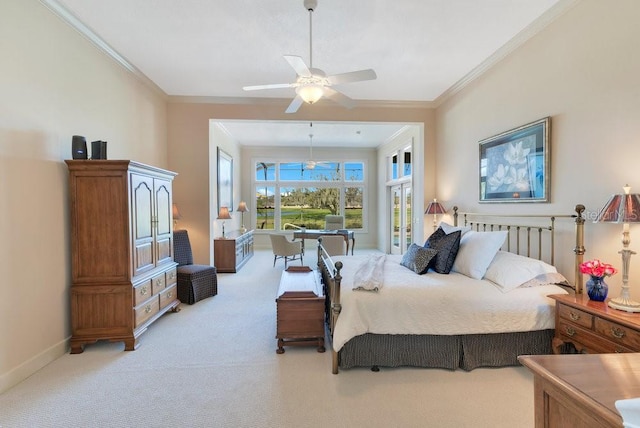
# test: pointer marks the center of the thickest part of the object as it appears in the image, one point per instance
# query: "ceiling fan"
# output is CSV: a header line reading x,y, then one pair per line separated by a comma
x,y
313,83
311,164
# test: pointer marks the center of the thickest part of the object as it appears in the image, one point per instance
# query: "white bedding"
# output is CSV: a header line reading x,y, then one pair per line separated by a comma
x,y
437,304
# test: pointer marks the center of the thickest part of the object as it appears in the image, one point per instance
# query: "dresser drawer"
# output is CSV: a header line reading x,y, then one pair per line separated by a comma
x,y
618,333
146,310
158,283
169,295
171,277
575,316
587,341
142,292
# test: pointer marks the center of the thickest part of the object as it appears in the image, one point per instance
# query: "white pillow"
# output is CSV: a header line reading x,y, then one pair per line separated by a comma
x,y
447,228
509,270
477,249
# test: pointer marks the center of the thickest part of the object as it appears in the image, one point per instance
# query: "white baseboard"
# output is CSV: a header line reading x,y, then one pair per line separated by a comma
x,y
29,367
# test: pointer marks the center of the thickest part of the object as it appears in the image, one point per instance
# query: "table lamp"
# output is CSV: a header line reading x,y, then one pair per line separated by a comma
x,y
176,215
242,208
223,215
435,208
623,208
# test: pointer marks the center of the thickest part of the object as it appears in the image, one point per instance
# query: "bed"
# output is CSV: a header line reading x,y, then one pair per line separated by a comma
x,y
391,311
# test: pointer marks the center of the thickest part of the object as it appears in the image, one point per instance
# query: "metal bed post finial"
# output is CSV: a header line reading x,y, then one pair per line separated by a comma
x,y
455,215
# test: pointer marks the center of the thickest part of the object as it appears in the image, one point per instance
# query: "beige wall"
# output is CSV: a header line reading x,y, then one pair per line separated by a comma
x,y
583,72
54,84
192,146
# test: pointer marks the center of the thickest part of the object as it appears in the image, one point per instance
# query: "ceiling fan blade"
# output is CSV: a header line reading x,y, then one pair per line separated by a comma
x,y
352,76
298,65
295,105
339,97
272,86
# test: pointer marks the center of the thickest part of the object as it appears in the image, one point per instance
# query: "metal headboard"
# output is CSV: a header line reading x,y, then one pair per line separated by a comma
x,y
524,233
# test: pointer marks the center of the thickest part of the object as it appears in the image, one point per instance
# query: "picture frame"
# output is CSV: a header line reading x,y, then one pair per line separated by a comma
x,y
225,180
515,165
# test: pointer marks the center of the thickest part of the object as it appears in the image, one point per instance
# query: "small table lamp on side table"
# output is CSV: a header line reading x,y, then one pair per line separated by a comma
x,y
435,208
625,209
242,208
176,215
223,215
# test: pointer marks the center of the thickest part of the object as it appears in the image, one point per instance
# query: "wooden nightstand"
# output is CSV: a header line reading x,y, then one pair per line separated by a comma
x,y
593,327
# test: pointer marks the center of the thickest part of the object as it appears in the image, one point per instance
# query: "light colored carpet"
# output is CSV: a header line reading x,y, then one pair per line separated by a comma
x,y
213,364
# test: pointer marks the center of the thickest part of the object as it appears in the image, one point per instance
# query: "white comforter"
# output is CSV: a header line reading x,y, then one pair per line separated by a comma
x,y
437,304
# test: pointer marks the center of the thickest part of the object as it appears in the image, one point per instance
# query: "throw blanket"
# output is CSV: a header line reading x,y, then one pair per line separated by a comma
x,y
369,274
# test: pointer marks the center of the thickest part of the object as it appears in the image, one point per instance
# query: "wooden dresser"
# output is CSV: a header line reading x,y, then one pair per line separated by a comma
x,y
580,391
593,327
233,251
123,272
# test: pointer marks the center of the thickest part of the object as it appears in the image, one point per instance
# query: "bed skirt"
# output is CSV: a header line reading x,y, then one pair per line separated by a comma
x,y
448,352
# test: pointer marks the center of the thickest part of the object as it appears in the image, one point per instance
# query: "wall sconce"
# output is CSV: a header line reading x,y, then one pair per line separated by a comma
x,y
242,208
176,215
625,209
435,208
223,215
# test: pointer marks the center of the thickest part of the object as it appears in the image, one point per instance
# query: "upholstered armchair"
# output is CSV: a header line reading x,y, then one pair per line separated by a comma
x,y
333,222
334,245
195,282
285,249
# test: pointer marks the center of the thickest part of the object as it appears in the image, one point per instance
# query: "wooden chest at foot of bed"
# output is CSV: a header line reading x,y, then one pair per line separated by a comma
x,y
300,309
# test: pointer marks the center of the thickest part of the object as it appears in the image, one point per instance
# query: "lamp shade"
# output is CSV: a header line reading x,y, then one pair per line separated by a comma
x,y
435,208
621,208
242,207
223,214
176,213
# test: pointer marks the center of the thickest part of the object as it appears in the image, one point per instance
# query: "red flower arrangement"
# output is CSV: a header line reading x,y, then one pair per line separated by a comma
x,y
597,268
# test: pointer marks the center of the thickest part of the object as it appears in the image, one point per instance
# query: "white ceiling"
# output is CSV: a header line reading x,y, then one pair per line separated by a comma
x,y
420,49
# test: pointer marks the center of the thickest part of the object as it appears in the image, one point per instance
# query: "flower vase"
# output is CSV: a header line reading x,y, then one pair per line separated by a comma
x,y
597,289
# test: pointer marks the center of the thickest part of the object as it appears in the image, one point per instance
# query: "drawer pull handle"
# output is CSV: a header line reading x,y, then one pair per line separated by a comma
x,y
574,316
147,309
172,275
144,290
570,331
159,282
618,333
169,295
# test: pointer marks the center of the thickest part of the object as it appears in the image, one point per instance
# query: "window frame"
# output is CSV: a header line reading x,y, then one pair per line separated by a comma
x,y
278,183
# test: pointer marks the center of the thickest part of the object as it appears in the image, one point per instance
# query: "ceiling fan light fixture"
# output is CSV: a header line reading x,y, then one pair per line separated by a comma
x,y
310,92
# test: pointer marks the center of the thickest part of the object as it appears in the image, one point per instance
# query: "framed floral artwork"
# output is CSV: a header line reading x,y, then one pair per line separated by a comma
x,y
225,180
514,165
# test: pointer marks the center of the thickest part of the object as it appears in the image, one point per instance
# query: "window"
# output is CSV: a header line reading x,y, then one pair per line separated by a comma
x,y
400,164
301,194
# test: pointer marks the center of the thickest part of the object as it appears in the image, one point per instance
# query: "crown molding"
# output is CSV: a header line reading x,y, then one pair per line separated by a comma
x,y
523,36
263,101
69,18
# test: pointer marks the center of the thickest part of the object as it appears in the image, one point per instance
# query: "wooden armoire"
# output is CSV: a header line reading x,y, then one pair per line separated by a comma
x,y
123,272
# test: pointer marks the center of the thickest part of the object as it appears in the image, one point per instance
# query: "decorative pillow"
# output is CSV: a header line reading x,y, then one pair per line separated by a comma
x,y
509,270
417,258
447,246
449,228
477,250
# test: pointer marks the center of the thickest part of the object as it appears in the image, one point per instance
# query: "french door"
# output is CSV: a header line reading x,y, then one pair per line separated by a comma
x,y
400,227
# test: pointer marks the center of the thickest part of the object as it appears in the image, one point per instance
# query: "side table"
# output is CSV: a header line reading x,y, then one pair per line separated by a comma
x,y
593,327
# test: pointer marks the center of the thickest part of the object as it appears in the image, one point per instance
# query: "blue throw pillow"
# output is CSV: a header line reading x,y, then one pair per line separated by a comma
x,y
417,258
447,247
